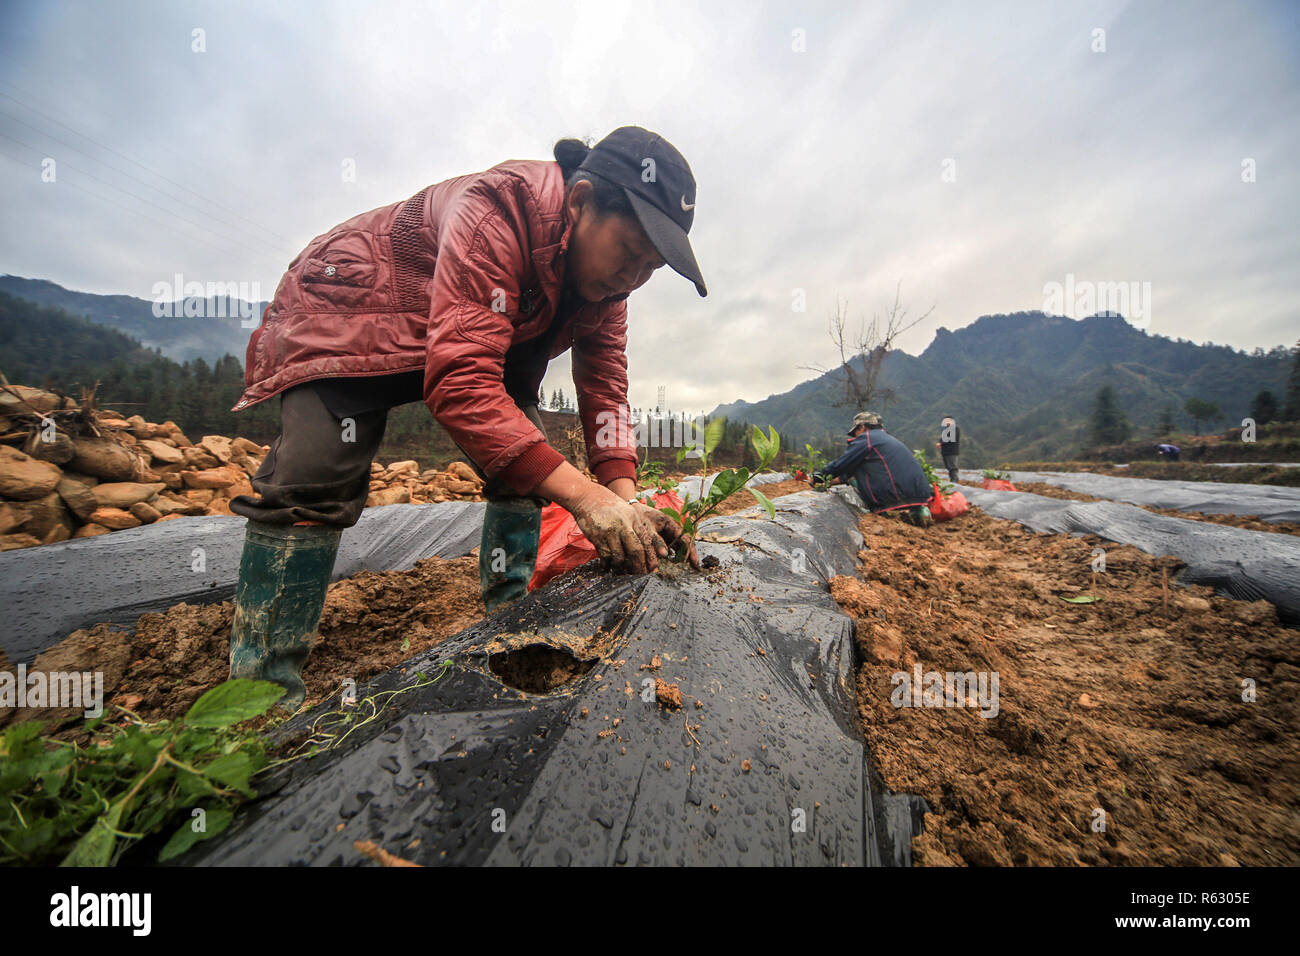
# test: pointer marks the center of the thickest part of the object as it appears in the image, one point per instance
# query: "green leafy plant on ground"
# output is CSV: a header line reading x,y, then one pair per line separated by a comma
x,y
945,487
993,474
725,484
713,433
650,474
84,805
809,462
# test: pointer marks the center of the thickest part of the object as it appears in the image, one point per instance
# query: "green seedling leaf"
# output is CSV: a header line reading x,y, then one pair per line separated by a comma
x,y
1082,599
217,819
233,770
234,701
95,848
764,501
713,433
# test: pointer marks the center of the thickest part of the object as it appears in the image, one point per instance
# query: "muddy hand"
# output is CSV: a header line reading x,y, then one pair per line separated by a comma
x,y
625,540
669,530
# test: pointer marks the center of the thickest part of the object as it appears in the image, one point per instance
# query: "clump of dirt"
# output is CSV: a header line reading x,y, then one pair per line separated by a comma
x,y
1112,713
1249,522
538,668
669,695
372,622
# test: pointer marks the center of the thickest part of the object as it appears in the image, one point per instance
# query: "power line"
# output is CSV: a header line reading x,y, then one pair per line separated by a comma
x,y
106,199
136,162
235,239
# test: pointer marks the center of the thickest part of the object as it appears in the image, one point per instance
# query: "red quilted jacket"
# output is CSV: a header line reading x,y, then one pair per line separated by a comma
x,y
446,282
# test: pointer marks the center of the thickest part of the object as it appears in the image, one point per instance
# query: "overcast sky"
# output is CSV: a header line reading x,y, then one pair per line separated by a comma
x,y
973,151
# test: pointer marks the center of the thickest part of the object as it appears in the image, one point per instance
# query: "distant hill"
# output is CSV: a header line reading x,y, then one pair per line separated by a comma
x,y
207,335
1021,386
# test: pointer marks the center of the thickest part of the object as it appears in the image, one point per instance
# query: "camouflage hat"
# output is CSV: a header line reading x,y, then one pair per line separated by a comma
x,y
870,419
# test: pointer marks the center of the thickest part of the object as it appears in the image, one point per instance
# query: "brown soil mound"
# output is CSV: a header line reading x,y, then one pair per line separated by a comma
x,y
372,621
1249,522
1115,707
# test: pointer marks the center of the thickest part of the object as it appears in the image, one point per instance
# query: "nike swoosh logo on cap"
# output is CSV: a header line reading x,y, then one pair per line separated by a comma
x,y
685,207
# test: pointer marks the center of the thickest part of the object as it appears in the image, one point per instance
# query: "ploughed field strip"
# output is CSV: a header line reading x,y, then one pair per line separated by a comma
x,y
1127,705
1165,714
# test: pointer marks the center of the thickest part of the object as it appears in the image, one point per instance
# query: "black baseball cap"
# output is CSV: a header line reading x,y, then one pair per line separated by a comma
x,y
660,187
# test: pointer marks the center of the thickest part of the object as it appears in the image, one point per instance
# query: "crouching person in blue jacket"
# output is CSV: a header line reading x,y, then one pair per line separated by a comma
x,y
886,474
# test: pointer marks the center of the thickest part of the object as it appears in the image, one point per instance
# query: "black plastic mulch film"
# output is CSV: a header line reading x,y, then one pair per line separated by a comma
x,y
760,765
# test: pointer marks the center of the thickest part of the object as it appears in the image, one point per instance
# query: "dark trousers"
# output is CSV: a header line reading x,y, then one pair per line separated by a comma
x,y
318,468
950,462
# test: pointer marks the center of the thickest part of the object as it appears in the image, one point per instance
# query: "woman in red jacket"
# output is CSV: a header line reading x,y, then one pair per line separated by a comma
x,y
458,297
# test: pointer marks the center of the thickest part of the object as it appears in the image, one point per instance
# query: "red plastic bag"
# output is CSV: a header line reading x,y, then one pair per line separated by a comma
x,y
942,509
997,484
563,546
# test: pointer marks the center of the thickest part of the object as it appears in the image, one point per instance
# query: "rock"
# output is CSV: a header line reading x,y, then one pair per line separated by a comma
x,y
241,487
90,531
169,505
217,446
246,446
11,517
123,494
140,428
163,453
199,458
12,542
220,506
221,477
1190,602
22,398
201,495
173,431
103,459
59,450
458,487
60,532
115,518
403,468
22,477
388,496
77,496
464,472
145,512
45,514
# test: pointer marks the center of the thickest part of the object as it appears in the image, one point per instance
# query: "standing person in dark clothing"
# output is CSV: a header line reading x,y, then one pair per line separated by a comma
x,y
887,476
949,440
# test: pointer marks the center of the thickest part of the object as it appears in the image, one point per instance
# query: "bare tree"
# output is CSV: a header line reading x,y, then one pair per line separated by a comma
x,y
863,353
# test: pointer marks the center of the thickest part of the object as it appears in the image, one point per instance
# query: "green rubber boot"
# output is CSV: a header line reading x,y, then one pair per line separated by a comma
x,y
507,554
921,516
283,575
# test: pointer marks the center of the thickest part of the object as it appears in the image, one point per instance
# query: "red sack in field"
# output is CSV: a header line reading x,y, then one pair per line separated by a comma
x,y
563,547
997,484
942,509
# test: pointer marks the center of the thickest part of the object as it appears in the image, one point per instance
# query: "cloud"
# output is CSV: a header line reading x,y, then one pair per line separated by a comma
x,y
819,170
